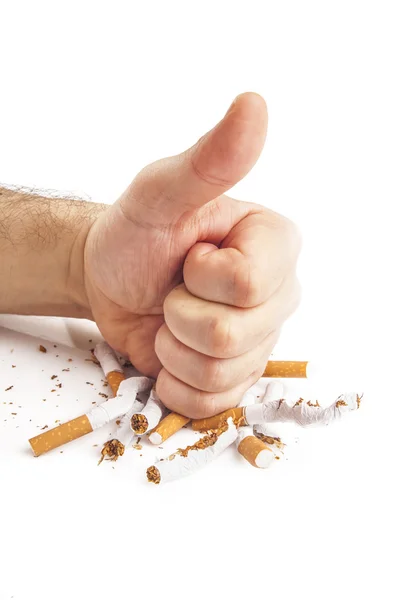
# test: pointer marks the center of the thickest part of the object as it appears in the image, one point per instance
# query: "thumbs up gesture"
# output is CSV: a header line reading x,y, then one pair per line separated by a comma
x,y
191,284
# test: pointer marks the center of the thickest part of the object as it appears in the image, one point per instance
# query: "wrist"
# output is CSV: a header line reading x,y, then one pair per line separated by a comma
x,y
76,280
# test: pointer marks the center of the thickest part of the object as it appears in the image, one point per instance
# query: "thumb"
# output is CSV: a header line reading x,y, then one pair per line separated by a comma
x,y
220,159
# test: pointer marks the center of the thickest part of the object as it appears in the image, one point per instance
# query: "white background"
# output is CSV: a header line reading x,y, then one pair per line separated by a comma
x,y
90,93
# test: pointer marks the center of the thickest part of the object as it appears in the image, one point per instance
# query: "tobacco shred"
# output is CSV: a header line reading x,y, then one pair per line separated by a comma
x,y
9,388
45,427
204,442
153,475
53,377
317,404
299,401
112,449
340,403
139,423
42,348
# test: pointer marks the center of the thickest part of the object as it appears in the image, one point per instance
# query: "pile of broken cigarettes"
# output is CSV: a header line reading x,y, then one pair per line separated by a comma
x,y
246,426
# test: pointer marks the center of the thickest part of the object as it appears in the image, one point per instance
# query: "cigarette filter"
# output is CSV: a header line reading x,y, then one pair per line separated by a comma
x,y
256,452
167,427
110,364
286,368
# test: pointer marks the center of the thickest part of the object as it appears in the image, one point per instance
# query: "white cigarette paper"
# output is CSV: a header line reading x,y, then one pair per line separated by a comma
x,y
124,432
304,413
180,466
114,408
107,358
275,390
154,411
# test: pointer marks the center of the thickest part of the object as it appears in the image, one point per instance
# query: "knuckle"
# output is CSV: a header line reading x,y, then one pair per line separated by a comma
x,y
247,286
215,376
222,338
203,405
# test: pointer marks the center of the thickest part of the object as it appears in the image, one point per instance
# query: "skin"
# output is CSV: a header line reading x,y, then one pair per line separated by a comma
x,y
188,282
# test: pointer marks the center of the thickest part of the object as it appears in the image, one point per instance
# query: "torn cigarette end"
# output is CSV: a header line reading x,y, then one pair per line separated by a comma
x,y
256,452
204,442
112,449
267,439
216,422
286,368
167,427
153,475
114,378
53,438
139,423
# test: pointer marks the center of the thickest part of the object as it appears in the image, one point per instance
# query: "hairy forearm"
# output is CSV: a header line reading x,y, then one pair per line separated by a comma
x,y
42,244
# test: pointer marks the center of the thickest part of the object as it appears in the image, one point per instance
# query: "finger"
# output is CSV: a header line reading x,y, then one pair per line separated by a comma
x,y
221,158
250,264
204,372
225,331
196,404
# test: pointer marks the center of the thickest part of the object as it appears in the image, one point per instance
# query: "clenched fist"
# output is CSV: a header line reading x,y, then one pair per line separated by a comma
x,y
189,283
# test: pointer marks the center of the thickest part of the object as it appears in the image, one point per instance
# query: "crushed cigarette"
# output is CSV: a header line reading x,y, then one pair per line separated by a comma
x,y
302,413
98,417
305,414
187,461
124,433
150,416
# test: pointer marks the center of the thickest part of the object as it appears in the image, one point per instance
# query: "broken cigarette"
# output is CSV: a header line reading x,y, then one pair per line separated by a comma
x,y
187,461
256,452
309,413
303,413
115,448
167,427
110,364
96,418
150,416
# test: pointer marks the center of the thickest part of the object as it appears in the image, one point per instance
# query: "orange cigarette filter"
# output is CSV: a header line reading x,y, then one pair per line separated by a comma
x,y
286,368
167,427
114,378
58,436
256,452
218,421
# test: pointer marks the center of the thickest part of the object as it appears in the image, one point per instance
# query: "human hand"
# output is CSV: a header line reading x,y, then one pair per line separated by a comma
x,y
191,284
